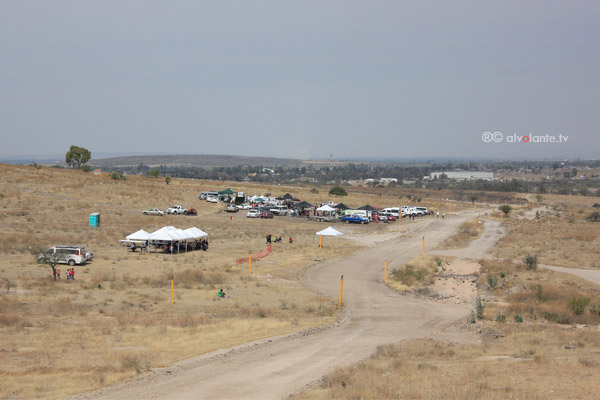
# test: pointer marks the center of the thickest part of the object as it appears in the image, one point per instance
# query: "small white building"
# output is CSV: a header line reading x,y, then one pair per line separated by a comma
x,y
463,175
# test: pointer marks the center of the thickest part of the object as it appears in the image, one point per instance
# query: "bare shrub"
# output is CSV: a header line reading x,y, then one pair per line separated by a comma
x,y
530,261
578,304
133,362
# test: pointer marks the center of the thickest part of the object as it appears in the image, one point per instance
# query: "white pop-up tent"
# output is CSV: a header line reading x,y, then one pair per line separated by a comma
x,y
327,208
329,232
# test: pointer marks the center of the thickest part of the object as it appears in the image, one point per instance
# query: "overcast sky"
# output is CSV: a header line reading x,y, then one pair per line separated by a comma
x,y
301,79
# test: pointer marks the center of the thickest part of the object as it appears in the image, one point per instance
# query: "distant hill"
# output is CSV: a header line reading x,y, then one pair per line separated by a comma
x,y
200,160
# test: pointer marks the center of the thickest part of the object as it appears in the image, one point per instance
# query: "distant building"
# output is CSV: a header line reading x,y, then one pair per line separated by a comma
x,y
463,175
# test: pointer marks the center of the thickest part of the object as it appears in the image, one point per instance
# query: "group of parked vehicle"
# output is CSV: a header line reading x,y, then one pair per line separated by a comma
x,y
175,210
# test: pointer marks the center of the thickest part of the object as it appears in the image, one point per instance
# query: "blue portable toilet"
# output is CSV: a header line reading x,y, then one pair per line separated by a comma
x,y
94,220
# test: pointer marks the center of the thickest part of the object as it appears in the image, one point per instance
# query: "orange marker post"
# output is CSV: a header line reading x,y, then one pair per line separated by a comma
x,y
341,290
475,220
172,291
385,271
423,245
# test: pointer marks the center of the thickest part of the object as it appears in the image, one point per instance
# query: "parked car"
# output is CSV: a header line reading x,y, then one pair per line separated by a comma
x,y
253,213
244,206
231,208
422,210
176,210
355,219
153,211
266,214
72,255
389,216
279,210
204,195
212,199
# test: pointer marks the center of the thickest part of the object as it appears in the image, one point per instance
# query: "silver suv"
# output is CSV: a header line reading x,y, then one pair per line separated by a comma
x,y
72,255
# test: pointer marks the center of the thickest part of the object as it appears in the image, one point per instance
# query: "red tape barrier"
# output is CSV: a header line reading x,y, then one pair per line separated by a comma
x,y
256,256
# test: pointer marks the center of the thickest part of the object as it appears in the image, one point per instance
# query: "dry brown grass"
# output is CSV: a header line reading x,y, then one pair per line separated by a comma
x,y
467,232
417,273
115,320
514,362
535,296
560,236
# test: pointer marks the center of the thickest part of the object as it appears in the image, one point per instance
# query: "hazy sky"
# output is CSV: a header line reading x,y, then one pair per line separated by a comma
x,y
300,79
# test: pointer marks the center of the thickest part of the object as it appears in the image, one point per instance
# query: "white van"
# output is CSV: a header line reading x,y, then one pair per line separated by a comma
x,y
279,210
392,211
72,255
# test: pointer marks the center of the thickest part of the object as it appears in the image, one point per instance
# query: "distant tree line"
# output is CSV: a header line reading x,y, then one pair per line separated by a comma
x,y
561,182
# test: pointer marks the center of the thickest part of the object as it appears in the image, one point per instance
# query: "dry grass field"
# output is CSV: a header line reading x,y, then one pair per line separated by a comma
x,y
115,320
557,233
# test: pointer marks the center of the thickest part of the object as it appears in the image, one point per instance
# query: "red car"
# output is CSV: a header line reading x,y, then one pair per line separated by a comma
x,y
266,214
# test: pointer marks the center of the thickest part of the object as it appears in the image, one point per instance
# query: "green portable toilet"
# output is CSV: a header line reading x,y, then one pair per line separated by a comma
x,y
94,220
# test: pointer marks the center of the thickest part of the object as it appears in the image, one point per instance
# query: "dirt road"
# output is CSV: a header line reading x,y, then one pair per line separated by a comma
x,y
374,315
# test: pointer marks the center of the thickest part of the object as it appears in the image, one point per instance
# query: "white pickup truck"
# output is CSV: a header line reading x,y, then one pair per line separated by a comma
x,y
176,210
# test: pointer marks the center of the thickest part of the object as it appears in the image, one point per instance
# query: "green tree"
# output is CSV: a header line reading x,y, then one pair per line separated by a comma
x,y
338,191
167,179
76,157
155,173
505,208
118,176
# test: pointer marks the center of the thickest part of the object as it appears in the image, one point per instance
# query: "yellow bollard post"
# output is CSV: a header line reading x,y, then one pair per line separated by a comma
x,y
341,290
475,220
320,241
249,263
423,245
385,271
172,291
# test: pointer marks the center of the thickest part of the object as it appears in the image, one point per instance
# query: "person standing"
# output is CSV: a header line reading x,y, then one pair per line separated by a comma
x,y
58,273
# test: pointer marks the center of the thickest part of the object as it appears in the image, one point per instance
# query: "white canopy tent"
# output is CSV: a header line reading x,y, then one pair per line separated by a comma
x,y
329,232
139,235
168,234
327,208
195,232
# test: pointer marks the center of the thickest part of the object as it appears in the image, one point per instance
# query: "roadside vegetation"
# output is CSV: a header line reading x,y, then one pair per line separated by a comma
x,y
419,272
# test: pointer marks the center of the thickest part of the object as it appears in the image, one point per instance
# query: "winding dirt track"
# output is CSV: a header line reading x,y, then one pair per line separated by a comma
x,y
374,315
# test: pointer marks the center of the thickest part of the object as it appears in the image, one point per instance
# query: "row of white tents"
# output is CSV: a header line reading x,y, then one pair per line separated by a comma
x,y
166,234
